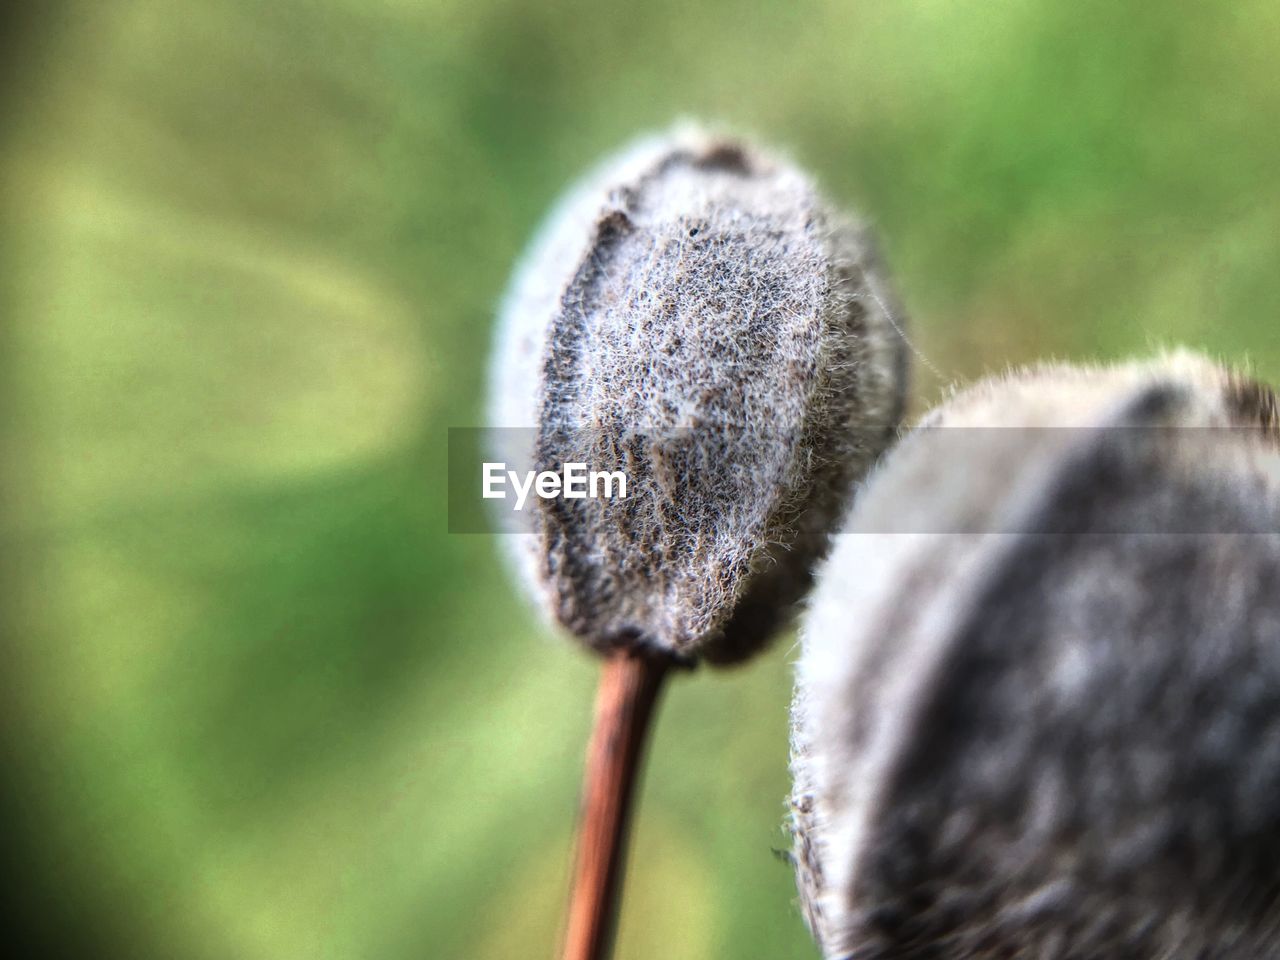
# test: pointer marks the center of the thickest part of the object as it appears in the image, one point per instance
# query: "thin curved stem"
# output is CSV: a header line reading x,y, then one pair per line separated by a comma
x,y
630,683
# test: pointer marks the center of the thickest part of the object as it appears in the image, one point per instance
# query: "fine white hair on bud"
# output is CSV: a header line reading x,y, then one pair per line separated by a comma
x,y
696,315
1038,705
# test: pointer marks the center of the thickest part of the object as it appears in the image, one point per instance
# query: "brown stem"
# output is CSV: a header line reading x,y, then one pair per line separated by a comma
x,y
629,686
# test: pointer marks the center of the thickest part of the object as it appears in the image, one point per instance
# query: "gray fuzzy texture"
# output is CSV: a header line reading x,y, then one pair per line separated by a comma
x,y
696,315
1056,736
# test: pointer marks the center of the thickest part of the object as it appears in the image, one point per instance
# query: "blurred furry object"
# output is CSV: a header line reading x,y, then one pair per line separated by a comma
x,y
1058,734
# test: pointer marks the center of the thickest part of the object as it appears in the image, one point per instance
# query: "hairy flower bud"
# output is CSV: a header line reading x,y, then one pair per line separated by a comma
x,y
1057,735
696,316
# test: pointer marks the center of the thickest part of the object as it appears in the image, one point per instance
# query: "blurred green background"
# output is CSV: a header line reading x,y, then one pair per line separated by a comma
x,y
257,703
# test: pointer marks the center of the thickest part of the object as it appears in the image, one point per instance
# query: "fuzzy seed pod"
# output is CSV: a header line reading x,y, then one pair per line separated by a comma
x,y
1057,735
695,315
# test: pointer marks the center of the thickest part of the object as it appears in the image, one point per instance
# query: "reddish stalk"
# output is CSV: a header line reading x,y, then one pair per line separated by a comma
x,y
630,683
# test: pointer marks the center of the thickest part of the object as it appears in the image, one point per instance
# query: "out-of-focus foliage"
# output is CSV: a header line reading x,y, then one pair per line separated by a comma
x,y
258,703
